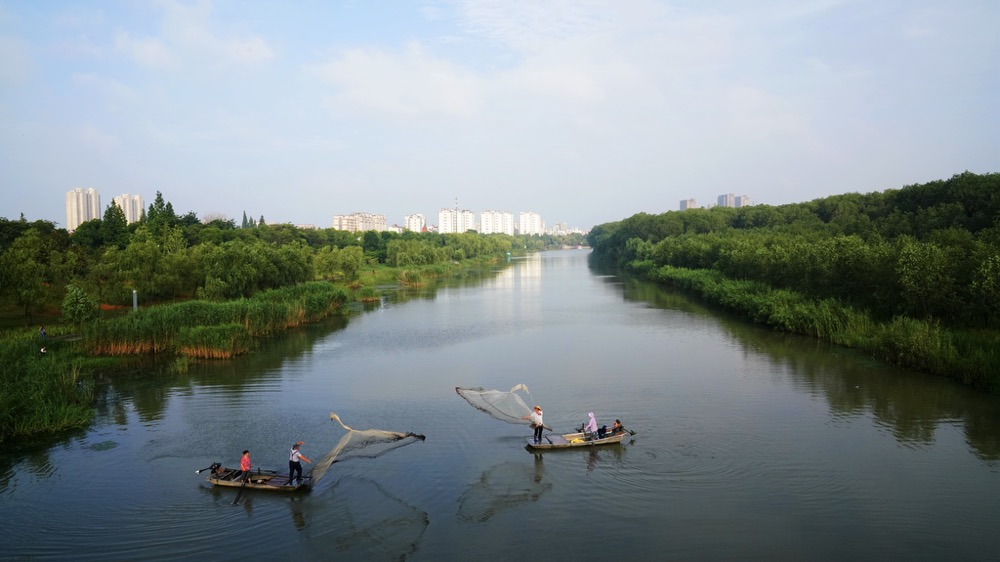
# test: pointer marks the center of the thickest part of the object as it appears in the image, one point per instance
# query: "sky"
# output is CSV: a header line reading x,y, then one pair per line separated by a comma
x,y
583,111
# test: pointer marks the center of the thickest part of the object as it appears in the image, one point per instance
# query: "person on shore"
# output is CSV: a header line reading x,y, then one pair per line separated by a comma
x,y
536,423
294,466
245,466
41,331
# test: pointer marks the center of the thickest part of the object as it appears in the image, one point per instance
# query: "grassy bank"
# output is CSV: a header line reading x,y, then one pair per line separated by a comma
x,y
970,357
42,392
53,392
212,329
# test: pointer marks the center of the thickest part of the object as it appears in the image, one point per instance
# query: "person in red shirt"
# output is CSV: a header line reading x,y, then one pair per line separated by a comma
x,y
245,466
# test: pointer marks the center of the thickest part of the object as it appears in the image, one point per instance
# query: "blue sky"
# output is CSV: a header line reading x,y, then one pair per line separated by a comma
x,y
583,111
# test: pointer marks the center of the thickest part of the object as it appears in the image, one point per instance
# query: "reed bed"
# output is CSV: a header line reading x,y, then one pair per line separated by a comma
x,y
971,357
156,329
410,278
368,294
223,341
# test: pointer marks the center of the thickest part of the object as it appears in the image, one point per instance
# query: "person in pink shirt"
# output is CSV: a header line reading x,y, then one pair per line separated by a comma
x,y
245,466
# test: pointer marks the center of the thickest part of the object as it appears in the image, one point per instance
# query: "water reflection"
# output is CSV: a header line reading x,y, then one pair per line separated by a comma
x,y
912,405
502,487
372,523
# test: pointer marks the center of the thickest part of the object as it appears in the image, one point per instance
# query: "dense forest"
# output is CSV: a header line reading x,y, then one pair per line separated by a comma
x,y
891,272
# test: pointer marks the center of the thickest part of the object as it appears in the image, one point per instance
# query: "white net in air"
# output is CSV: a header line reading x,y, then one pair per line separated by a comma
x,y
368,443
504,406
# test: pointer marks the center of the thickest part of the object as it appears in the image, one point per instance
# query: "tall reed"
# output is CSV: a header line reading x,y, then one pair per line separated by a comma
x,y
156,329
971,357
214,342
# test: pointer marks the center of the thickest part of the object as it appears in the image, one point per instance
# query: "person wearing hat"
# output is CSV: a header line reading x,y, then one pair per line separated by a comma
x,y
294,466
536,422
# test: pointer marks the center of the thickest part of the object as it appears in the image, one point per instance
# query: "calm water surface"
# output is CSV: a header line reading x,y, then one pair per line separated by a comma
x,y
751,445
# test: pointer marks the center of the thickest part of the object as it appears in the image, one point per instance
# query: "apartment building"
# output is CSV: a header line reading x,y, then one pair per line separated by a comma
x,y
82,205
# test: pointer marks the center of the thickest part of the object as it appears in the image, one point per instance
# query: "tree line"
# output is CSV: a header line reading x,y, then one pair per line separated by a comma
x,y
893,272
929,251
166,256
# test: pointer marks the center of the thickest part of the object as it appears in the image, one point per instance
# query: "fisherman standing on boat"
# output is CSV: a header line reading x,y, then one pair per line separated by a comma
x,y
536,422
293,462
591,428
245,466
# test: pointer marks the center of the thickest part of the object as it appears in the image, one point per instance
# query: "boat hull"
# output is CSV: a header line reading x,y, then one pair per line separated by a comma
x,y
259,480
574,440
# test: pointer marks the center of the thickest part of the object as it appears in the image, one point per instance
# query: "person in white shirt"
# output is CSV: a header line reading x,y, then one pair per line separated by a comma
x,y
294,466
536,422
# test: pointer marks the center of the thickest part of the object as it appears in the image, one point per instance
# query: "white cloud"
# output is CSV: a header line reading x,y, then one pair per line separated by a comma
x,y
190,38
151,52
410,83
192,30
111,88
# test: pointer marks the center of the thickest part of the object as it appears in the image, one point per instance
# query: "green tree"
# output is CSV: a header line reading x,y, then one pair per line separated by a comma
x,y
986,288
22,272
114,226
88,235
160,215
78,307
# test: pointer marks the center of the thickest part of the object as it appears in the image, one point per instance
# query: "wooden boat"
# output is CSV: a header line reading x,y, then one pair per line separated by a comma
x,y
259,479
570,440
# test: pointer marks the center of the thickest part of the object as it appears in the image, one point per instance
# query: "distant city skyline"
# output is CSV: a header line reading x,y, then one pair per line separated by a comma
x,y
84,204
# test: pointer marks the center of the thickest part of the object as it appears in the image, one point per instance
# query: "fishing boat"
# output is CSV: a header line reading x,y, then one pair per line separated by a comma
x,y
579,439
259,479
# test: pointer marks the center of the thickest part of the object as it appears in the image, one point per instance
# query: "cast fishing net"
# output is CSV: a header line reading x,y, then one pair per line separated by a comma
x,y
368,443
504,406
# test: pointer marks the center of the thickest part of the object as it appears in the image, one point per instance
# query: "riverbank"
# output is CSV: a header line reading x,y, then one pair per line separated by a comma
x,y
971,357
52,391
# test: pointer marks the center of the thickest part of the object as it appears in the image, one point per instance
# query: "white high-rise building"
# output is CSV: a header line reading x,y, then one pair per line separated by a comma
x,y
743,201
452,221
82,205
727,200
416,222
688,204
496,222
531,223
360,222
132,205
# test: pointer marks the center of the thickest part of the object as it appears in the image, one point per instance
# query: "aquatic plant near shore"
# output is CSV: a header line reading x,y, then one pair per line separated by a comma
x,y
214,342
966,355
41,393
157,329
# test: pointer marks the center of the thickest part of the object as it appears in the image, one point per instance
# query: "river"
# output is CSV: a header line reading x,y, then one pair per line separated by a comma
x,y
749,445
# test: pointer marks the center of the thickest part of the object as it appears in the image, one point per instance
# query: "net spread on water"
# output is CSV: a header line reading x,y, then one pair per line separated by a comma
x,y
504,406
367,443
